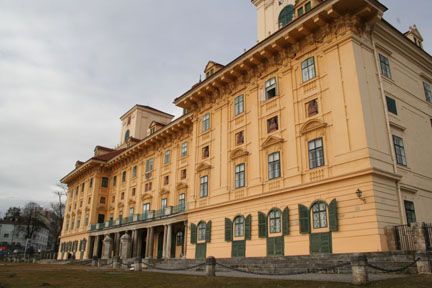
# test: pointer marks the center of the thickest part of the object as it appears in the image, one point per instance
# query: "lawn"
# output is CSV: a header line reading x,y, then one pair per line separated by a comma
x,y
84,276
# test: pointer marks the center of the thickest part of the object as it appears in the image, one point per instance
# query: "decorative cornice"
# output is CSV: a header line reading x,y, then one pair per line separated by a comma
x,y
271,140
312,125
239,152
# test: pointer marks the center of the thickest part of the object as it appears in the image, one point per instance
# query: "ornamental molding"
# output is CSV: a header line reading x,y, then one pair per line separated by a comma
x,y
203,166
312,125
181,186
164,191
272,140
146,196
239,152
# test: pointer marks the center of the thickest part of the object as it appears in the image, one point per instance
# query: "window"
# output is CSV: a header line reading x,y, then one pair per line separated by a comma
x,y
286,15
179,238
131,211
7,235
134,171
204,186
122,196
86,220
206,122
391,105
427,91
201,231
148,186
312,108
133,191
205,152
124,177
308,6
127,135
91,182
319,211
272,124
166,180
182,203
240,175
78,222
308,69
239,138
183,174
385,66
113,199
410,212
88,201
76,191
184,149
129,120
300,11
164,203
270,88
275,221
82,187
167,157
114,180
239,226
238,105
102,200
149,168
111,217
104,182
274,166
399,150
146,209
316,153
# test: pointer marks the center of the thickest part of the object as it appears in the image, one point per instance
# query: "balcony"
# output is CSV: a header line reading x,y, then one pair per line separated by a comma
x,y
148,216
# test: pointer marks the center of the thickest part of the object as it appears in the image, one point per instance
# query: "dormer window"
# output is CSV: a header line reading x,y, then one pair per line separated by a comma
x,y
127,135
286,16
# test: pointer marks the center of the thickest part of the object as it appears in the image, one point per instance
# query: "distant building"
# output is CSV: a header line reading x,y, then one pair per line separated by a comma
x,y
12,233
315,140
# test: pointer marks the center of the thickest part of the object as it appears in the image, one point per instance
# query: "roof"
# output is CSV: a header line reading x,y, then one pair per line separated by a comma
x,y
108,156
146,107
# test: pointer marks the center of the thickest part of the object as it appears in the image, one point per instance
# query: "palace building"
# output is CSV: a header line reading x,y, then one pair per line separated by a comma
x,y
313,141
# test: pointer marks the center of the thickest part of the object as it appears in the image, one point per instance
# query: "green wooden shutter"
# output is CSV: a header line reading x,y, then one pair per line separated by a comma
x,y
315,243
248,227
285,221
270,246
193,234
238,248
208,231
333,215
228,230
304,220
262,225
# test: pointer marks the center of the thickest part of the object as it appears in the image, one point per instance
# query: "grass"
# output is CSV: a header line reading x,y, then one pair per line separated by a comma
x,y
27,275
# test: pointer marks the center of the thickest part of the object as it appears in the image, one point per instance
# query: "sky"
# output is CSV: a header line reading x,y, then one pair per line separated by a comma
x,y
69,69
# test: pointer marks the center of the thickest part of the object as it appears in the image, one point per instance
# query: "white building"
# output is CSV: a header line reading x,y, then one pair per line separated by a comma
x,y
10,233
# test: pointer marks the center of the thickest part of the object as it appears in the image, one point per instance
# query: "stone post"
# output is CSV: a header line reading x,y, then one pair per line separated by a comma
x,y
359,270
94,261
125,246
211,266
139,243
149,245
423,264
164,244
137,264
419,236
168,241
117,244
96,246
107,247
115,263
390,234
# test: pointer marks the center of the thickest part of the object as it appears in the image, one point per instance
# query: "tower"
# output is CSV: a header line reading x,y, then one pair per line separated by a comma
x,y
275,14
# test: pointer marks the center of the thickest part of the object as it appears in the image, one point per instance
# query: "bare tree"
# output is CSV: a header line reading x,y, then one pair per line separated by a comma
x,y
13,214
31,219
56,215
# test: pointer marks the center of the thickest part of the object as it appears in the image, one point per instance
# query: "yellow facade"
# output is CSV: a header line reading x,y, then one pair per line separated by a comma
x,y
331,69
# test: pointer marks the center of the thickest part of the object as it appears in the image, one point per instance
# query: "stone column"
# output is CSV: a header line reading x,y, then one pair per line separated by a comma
x,y
125,246
134,243
419,236
359,270
149,246
107,247
211,266
90,245
168,243
185,239
96,246
164,244
139,243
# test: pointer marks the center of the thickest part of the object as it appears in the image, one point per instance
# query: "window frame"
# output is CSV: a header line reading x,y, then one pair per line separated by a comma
x,y
321,221
105,182
411,218
239,105
391,105
167,157
239,226
385,67
272,121
308,68
201,231
134,171
316,155
270,84
240,176
427,87
399,149
184,149
275,221
205,123
204,186
274,165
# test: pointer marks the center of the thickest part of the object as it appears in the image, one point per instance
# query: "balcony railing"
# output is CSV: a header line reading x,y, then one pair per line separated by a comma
x,y
147,216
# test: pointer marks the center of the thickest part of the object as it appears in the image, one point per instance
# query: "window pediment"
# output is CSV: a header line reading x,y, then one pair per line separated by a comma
x,y
272,140
120,205
203,166
164,191
181,186
146,197
131,202
312,125
239,152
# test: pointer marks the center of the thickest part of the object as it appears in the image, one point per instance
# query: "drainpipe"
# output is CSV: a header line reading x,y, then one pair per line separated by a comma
x,y
390,138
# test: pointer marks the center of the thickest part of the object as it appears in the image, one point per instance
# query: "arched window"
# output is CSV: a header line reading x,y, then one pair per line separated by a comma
x,y
179,238
319,211
127,135
239,226
201,231
275,221
286,16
